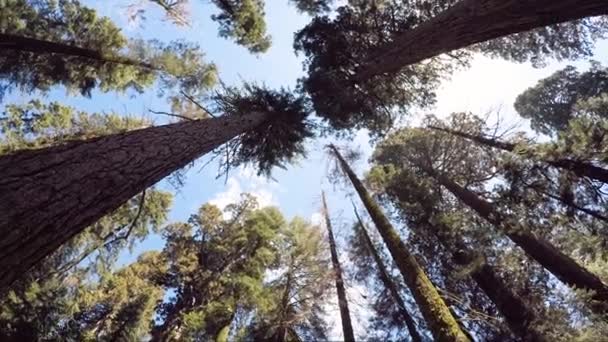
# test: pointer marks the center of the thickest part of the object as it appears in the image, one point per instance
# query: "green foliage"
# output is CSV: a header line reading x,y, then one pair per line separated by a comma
x,y
297,294
336,47
69,23
312,7
243,21
280,139
567,94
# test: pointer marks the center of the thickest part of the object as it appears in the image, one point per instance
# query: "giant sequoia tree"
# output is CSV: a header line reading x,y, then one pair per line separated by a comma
x,y
363,70
80,181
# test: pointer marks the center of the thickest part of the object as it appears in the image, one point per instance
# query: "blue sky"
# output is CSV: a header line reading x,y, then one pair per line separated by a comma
x,y
487,85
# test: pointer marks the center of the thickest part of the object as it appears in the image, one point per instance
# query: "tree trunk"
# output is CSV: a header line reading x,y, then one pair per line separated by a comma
x,y
389,284
580,169
519,316
347,326
559,264
473,21
47,196
442,324
19,43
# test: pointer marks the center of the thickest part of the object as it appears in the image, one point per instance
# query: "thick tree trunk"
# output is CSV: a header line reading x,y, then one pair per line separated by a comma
x,y
559,264
389,284
519,316
473,21
48,196
19,43
442,324
580,169
347,326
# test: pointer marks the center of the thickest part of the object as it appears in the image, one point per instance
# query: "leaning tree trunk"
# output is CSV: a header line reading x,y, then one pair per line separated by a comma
x,y
347,326
440,320
38,46
47,196
519,316
556,262
473,21
581,169
388,283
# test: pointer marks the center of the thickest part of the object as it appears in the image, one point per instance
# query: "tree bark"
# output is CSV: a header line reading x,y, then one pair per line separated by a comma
x,y
47,196
473,21
347,326
519,316
38,46
389,284
579,168
440,320
560,265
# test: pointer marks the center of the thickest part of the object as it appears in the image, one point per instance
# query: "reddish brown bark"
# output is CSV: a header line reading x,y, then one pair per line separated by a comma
x,y
49,195
473,21
347,325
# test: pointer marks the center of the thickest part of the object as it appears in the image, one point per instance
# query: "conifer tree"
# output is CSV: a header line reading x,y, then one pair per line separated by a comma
x,y
437,314
97,175
411,148
347,326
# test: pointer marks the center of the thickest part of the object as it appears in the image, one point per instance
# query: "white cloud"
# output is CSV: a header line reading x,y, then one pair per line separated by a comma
x,y
316,219
246,181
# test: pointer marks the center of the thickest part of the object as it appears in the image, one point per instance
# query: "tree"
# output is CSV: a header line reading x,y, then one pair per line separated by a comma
x,y
65,43
410,147
297,295
421,206
554,101
363,73
440,320
80,181
347,326
40,304
243,21
216,268
361,238
469,22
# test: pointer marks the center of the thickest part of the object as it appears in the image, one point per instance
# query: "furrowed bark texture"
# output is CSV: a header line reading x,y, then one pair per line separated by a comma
x,y
19,43
473,21
389,284
559,264
49,195
440,320
581,169
347,326
519,316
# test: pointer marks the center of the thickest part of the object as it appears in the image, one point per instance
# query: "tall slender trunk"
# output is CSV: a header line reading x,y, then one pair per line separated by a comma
x,y
47,196
556,262
473,21
519,316
347,326
581,169
38,46
388,283
440,320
